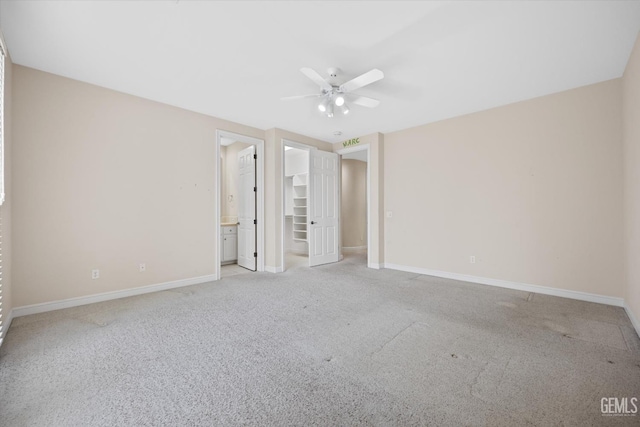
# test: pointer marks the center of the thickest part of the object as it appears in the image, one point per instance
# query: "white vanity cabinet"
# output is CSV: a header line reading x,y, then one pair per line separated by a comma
x,y
229,244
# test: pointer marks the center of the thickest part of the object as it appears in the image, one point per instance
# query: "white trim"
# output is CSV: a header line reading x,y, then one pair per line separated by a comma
x,y
107,296
375,265
353,149
270,269
260,165
633,318
7,325
298,145
564,293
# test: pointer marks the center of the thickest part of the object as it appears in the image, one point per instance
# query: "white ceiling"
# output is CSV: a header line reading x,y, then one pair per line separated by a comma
x,y
235,60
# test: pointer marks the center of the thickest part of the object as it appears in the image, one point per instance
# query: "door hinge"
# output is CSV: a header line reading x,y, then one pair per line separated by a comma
x,y
255,156
255,222
255,254
255,189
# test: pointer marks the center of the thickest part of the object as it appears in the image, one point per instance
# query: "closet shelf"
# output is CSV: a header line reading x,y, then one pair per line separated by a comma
x,y
299,197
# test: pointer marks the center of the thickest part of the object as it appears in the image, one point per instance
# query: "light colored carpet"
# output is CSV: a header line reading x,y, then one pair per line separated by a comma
x,y
334,345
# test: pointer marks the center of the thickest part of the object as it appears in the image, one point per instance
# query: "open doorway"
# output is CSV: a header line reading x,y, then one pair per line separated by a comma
x,y
353,207
355,202
240,204
296,209
311,206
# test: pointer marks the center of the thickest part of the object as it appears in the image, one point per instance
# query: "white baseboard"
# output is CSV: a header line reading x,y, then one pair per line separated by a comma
x,y
107,296
7,325
270,269
582,296
633,318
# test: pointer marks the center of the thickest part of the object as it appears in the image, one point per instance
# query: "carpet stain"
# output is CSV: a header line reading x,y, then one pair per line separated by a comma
x,y
557,327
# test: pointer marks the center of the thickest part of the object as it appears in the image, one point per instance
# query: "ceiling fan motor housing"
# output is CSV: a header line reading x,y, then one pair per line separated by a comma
x,y
333,72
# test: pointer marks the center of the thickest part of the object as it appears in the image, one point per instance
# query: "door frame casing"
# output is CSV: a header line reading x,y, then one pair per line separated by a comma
x,y
260,238
300,146
369,207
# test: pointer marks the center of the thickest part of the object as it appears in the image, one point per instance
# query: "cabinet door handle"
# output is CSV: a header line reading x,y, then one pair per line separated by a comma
x,y
313,222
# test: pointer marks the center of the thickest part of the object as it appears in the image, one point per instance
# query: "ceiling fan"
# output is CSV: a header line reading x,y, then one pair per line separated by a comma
x,y
333,95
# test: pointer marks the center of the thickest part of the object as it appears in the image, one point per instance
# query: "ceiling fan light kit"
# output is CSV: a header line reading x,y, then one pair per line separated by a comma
x,y
330,110
335,95
322,106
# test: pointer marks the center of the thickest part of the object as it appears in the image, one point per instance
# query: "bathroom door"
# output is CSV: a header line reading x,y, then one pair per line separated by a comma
x,y
324,209
247,208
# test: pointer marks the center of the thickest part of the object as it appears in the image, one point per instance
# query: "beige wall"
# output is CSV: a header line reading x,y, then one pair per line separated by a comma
x,y
353,209
106,180
230,174
631,135
5,209
533,190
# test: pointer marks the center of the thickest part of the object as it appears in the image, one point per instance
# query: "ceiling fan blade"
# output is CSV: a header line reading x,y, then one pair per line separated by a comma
x,y
364,101
292,98
316,78
362,80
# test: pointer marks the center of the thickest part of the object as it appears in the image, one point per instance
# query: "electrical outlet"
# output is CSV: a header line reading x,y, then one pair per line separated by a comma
x,y
472,259
142,267
95,274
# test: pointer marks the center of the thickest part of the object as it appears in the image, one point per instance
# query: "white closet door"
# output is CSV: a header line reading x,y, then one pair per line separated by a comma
x,y
324,210
247,209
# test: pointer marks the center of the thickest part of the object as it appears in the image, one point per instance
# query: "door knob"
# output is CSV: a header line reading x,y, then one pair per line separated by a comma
x,y
312,222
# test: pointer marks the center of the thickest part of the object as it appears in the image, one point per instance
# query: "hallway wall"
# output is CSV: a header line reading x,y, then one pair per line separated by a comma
x,y
353,213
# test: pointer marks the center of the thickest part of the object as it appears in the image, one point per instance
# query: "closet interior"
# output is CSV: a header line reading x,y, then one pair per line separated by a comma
x,y
296,179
